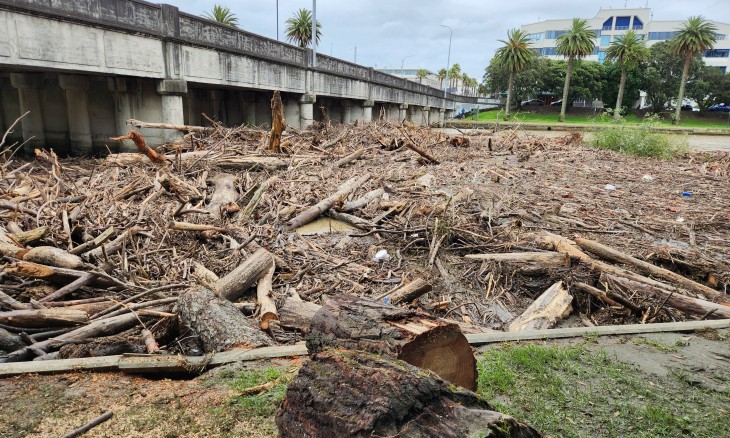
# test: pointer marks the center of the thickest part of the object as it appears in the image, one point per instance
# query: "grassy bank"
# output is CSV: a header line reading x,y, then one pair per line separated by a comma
x,y
548,116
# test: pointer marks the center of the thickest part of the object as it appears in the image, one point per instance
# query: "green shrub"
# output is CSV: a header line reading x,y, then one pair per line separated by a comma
x,y
643,140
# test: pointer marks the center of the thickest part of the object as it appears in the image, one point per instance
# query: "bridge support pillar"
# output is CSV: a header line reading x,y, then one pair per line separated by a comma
x,y
367,110
171,92
122,110
77,104
306,110
403,112
442,116
29,94
347,111
427,115
248,107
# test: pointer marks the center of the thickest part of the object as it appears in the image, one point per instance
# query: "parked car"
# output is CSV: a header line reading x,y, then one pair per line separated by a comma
x,y
557,103
688,107
532,102
719,107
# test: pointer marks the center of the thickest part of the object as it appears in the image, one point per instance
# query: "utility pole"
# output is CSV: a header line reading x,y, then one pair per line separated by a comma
x,y
355,54
277,20
314,33
448,58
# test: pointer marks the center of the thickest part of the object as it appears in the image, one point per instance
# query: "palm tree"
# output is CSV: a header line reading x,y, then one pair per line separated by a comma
x,y
628,51
299,28
695,36
420,74
515,55
442,75
222,15
454,75
464,82
577,42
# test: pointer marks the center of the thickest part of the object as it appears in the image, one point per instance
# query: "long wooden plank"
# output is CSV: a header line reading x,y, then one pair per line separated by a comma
x,y
59,365
609,330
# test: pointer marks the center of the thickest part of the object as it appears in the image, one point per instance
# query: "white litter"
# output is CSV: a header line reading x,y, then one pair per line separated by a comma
x,y
381,256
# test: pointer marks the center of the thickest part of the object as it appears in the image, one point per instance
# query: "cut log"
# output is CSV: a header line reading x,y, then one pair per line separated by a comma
x,y
364,200
410,291
413,336
296,313
10,342
184,128
26,237
322,206
683,303
554,304
421,152
544,259
54,317
52,256
105,346
219,325
187,226
264,289
223,201
204,276
349,158
238,281
278,123
608,253
342,393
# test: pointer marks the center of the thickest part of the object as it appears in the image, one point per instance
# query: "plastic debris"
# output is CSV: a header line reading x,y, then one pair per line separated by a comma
x,y
647,178
610,187
686,194
387,300
680,219
381,256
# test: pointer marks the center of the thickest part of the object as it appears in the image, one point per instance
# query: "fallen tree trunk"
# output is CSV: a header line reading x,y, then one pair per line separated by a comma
x,y
264,288
219,325
364,200
238,281
184,128
411,291
683,303
296,313
348,158
223,201
554,304
54,317
543,259
333,394
10,342
608,253
415,337
311,213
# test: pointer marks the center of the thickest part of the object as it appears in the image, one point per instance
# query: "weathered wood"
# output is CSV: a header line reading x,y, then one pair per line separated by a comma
x,y
104,346
187,226
410,291
264,289
233,285
141,146
311,213
26,237
235,163
223,201
349,158
609,330
10,302
251,206
421,152
10,341
364,200
688,305
112,247
597,293
219,325
54,317
90,425
93,243
52,256
333,396
183,190
546,259
609,253
554,304
296,313
204,276
413,336
278,123
184,128
83,280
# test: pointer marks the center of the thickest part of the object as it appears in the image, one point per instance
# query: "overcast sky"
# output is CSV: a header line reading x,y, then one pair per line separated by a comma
x,y
386,31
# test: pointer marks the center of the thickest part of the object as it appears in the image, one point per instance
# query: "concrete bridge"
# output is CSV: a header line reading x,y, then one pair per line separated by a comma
x,y
84,67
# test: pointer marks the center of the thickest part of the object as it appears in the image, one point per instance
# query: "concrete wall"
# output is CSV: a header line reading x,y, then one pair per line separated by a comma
x,y
83,67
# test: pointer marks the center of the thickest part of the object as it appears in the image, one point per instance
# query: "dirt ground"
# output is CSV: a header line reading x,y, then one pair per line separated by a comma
x,y
48,406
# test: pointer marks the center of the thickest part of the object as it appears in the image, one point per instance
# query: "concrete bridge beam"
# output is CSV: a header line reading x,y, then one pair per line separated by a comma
x,y
171,92
442,116
403,112
367,110
29,88
306,110
347,116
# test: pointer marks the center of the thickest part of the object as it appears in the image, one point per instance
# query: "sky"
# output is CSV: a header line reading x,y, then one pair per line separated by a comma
x,y
387,31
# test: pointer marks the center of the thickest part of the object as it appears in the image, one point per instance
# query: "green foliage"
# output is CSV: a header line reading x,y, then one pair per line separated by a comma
x,y
643,140
222,15
635,82
628,50
663,74
299,28
578,41
266,402
442,75
709,86
515,55
695,36
422,73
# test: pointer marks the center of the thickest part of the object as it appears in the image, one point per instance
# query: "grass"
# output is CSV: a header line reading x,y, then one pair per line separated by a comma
x,y
643,141
573,392
542,117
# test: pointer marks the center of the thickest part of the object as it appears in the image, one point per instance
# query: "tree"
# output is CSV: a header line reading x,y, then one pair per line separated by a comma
x,y
694,37
664,73
636,80
222,15
454,75
464,82
628,51
576,43
710,86
421,74
514,56
299,28
442,76
529,82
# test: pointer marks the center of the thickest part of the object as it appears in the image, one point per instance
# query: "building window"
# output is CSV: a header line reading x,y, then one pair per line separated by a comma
x,y
535,36
638,25
608,24
622,23
717,53
719,36
554,34
601,56
595,51
723,69
661,36
547,51
605,41
598,33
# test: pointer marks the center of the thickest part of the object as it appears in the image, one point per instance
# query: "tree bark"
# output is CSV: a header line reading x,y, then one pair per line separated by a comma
x,y
554,304
53,317
509,95
322,206
566,89
278,123
264,289
238,281
685,73
544,259
218,323
412,336
620,97
223,201
411,291
10,342
297,314
352,394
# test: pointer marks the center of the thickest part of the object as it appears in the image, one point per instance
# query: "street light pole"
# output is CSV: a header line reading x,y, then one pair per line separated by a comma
x,y
448,58
402,61
314,33
277,20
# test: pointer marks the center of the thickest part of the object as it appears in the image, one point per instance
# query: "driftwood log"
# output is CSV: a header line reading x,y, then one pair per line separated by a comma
x,y
218,323
223,201
311,213
342,393
420,339
553,305
233,285
278,123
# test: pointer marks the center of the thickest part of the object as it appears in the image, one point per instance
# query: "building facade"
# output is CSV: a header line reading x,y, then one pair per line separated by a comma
x,y
411,74
609,23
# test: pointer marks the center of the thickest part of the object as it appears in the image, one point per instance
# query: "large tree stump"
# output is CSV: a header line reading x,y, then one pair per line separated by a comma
x,y
343,393
409,335
218,323
278,123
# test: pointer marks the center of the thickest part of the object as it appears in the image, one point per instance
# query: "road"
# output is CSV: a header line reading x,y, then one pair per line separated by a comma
x,y
696,142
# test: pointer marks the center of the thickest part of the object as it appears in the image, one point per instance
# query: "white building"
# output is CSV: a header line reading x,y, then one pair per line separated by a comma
x,y
609,23
411,74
